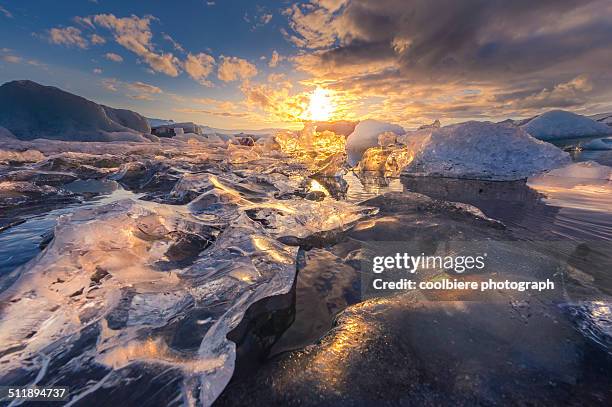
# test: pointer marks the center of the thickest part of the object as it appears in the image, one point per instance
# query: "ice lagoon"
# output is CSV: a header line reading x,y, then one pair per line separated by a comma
x,y
230,272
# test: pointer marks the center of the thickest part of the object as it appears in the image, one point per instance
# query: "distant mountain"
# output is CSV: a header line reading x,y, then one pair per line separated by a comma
x,y
30,110
559,124
259,132
169,124
605,118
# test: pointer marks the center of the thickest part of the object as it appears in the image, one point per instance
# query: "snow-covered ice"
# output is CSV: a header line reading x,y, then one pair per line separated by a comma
x,y
365,136
481,150
559,124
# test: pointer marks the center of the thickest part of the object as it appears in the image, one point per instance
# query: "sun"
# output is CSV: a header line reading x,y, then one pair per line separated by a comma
x,y
321,106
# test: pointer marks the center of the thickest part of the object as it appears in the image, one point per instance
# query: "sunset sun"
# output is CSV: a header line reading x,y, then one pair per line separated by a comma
x,y
321,106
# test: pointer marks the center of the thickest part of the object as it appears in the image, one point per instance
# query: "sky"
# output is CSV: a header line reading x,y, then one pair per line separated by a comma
x,y
251,64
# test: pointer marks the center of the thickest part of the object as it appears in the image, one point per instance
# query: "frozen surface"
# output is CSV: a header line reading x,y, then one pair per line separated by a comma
x,y
140,293
598,144
559,124
481,150
120,284
365,136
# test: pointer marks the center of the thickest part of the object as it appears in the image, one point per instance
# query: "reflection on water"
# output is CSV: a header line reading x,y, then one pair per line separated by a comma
x,y
367,185
343,348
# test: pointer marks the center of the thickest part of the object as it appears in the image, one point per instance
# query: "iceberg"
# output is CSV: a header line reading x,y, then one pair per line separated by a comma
x,y
559,124
481,150
30,110
598,144
605,118
365,136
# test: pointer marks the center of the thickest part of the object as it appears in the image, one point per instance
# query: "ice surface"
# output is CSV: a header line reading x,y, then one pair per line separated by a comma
x,y
321,152
481,150
598,144
365,136
20,193
559,124
129,272
388,161
21,157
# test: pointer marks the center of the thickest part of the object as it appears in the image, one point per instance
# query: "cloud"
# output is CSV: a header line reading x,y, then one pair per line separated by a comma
x,y
265,18
275,101
134,34
144,88
111,84
177,46
142,96
234,68
199,67
68,36
97,40
420,56
6,13
13,59
135,90
274,60
223,113
567,94
85,22
97,71
111,56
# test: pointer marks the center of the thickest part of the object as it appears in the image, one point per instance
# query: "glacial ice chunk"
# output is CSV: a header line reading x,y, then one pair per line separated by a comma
x,y
559,124
388,161
365,136
598,144
482,150
321,152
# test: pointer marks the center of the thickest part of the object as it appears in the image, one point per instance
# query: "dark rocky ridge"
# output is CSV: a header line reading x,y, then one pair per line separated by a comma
x,y
30,110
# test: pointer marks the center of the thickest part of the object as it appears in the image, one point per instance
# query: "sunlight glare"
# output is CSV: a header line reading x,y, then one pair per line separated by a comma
x,y
321,107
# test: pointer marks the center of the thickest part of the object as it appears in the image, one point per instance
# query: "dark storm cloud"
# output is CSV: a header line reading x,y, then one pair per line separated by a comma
x,y
451,37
